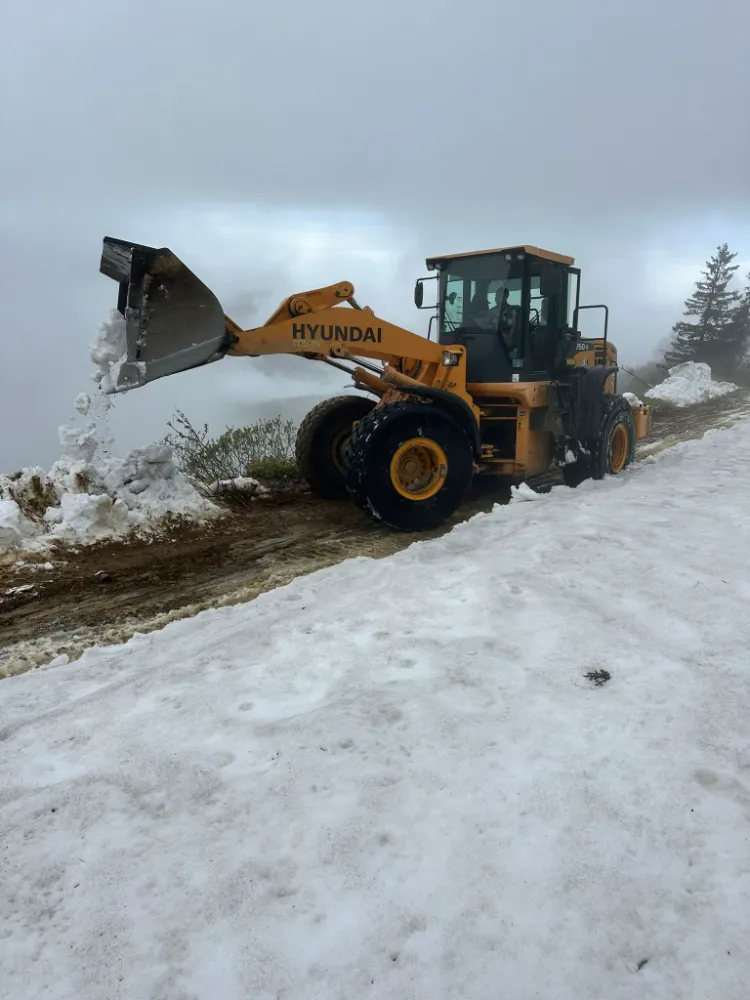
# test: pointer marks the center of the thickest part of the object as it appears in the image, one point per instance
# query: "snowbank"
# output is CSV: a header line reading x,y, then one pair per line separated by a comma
x,y
411,777
89,494
689,384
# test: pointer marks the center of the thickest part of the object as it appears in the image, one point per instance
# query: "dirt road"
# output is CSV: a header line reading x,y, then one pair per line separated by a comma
x,y
103,593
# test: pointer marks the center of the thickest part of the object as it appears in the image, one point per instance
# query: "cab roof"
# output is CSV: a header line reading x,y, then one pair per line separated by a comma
x,y
557,258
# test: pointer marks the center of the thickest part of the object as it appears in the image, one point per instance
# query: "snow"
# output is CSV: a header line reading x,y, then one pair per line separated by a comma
x,y
689,384
394,779
83,403
15,528
109,351
33,567
524,492
92,494
121,493
632,399
83,516
242,484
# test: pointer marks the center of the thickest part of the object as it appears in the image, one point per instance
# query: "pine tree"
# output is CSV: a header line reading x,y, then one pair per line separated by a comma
x,y
713,305
739,338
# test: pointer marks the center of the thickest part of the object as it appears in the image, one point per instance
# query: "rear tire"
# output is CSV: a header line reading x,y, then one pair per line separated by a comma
x,y
614,448
409,466
322,441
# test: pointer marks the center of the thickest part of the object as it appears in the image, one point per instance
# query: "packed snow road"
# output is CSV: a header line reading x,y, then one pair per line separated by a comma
x,y
513,761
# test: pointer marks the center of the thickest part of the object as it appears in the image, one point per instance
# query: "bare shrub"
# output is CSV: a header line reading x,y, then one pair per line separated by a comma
x,y
262,447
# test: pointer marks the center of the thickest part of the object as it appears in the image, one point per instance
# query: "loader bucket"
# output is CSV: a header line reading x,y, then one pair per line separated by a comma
x,y
173,322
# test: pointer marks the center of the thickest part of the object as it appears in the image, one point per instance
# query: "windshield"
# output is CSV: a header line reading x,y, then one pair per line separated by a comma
x,y
500,294
482,294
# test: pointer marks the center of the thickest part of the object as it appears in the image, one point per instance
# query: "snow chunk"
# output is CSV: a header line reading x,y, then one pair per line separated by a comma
x,y
632,399
59,661
245,484
524,492
109,351
689,384
80,446
81,516
82,403
15,528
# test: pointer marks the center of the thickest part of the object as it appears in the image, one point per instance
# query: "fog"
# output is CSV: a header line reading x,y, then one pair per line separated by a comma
x,y
277,150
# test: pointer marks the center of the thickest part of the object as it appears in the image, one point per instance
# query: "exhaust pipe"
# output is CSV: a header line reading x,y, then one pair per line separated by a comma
x,y
173,322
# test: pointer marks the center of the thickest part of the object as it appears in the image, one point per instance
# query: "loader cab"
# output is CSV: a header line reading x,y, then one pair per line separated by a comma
x,y
511,309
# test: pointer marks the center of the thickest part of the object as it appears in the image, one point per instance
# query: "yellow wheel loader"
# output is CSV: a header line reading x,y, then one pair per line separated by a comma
x,y
507,388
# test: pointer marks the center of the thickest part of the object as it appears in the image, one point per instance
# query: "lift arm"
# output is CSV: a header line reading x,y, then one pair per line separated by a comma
x,y
173,322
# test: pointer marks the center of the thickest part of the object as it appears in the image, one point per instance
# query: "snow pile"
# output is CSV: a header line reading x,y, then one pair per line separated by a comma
x,y
89,494
527,779
689,384
102,494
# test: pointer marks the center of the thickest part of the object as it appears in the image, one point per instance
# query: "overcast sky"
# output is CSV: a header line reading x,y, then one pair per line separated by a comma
x,y
275,148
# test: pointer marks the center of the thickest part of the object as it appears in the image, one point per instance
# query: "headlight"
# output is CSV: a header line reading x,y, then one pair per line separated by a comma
x,y
450,359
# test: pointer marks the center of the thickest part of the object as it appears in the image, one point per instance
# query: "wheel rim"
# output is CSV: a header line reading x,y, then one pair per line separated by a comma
x,y
419,469
618,448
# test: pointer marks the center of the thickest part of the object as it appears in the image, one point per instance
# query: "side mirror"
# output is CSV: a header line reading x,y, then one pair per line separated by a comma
x,y
419,293
550,281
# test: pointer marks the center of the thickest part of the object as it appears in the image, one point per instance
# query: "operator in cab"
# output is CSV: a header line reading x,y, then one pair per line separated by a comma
x,y
502,318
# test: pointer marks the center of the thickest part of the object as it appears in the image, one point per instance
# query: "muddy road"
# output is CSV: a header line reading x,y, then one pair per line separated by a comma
x,y
103,593
59,602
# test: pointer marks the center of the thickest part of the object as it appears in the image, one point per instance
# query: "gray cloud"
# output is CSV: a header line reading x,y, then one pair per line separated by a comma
x,y
420,108
603,130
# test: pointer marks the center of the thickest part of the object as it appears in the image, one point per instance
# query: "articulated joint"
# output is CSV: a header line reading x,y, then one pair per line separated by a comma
x,y
321,298
298,305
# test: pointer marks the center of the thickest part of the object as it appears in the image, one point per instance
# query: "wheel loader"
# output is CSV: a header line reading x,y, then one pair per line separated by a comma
x,y
507,387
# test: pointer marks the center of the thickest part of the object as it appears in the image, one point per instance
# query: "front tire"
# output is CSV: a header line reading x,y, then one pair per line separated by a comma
x,y
409,465
322,441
